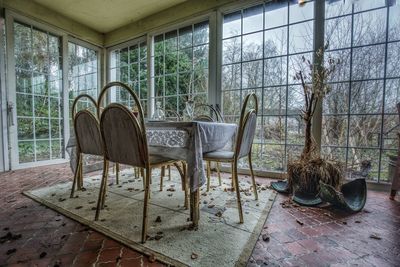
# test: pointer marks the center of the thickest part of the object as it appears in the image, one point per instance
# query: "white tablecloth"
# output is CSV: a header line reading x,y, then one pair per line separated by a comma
x,y
183,141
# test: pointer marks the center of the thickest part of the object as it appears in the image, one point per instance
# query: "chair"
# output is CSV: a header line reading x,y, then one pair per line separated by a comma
x,y
170,115
244,141
125,142
396,177
135,111
214,116
88,140
213,113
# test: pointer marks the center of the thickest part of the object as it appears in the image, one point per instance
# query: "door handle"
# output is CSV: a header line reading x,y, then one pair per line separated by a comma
x,y
10,113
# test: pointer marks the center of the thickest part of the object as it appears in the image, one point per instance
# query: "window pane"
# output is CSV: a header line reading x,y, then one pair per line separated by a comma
x,y
301,12
276,14
334,130
393,60
232,25
338,32
275,42
369,27
253,19
371,56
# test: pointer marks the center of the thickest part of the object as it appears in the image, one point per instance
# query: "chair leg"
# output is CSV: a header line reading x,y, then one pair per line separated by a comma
x,y
76,176
169,172
239,202
143,177
145,204
117,172
103,200
103,182
208,176
219,174
252,177
80,185
233,180
162,178
184,183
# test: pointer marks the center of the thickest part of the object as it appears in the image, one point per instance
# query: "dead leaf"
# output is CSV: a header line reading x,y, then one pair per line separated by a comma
x,y
299,222
194,256
79,207
375,236
152,258
211,206
357,221
265,237
42,255
158,219
11,251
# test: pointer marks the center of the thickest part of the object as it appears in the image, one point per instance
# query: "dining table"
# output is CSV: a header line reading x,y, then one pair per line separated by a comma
x,y
185,141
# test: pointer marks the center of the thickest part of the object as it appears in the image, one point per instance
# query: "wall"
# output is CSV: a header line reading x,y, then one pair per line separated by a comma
x,y
42,14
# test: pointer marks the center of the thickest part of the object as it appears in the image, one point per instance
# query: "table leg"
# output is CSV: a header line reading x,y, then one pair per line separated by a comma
x,y
194,208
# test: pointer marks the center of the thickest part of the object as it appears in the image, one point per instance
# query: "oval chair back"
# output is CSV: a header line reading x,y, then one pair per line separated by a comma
x,y
123,136
87,136
86,127
214,114
87,133
100,100
247,127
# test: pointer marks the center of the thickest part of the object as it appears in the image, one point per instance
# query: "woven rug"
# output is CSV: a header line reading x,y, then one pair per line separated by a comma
x,y
219,241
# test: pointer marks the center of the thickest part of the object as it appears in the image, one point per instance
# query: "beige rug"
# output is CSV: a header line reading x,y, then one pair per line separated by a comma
x,y
219,241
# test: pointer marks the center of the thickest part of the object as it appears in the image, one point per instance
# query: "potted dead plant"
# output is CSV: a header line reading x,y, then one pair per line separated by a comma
x,y
306,172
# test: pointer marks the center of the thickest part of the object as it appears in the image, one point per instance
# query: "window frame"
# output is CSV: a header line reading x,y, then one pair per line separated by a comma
x,y
12,154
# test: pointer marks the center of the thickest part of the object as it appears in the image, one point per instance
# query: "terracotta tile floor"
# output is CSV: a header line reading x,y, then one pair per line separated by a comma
x,y
294,236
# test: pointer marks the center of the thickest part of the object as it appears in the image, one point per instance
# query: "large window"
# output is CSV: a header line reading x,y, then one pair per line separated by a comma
x,y
38,94
263,47
360,122
129,65
82,75
181,66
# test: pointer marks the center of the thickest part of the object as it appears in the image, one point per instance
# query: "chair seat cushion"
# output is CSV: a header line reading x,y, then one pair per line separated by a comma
x,y
219,154
157,160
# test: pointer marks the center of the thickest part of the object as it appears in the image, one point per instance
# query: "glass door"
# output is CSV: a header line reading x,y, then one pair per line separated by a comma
x,y
37,129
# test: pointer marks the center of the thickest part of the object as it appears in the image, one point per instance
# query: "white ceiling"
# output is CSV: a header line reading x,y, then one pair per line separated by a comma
x,y
107,15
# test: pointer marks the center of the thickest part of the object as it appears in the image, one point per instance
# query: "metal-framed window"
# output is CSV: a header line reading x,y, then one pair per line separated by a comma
x,y
262,48
180,60
128,64
360,121
83,74
37,89
38,75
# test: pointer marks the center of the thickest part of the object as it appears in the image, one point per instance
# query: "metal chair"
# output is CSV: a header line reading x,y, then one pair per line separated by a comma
x,y
213,113
88,138
214,116
125,142
244,141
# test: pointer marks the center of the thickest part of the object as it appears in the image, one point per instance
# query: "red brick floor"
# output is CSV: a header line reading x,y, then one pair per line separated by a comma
x,y
292,235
